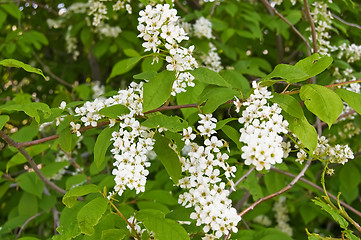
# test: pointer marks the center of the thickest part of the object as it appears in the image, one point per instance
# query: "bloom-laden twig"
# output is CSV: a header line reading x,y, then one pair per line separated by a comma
x,y
12,143
288,23
318,188
167,108
312,24
288,187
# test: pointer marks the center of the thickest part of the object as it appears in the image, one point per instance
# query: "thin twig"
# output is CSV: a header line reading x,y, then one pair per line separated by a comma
x,y
312,24
12,143
327,86
289,24
215,4
346,23
48,71
279,41
181,6
26,222
288,187
318,188
241,179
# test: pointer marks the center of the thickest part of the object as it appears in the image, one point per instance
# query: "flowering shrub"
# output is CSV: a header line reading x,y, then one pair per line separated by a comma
x,y
180,120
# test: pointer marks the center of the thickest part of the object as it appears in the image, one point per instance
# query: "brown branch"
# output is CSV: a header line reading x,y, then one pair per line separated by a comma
x,y
241,179
327,86
288,187
346,23
26,222
12,143
288,23
312,24
318,188
279,41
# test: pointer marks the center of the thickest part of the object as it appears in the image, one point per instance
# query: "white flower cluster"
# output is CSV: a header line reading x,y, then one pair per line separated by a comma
x,y
139,228
322,18
106,30
71,44
99,10
262,126
344,76
352,52
212,60
207,193
98,89
203,28
279,2
159,28
131,143
337,154
281,216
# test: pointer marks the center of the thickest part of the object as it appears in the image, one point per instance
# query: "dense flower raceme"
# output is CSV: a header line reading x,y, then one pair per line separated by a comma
x,y
337,154
131,143
203,167
262,126
162,34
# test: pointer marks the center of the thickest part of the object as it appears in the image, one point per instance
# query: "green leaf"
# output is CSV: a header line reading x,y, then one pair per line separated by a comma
x,y
114,111
161,196
70,197
351,98
89,215
157,90
223,122
68,227
349,235
350,176
66,140
102,144
31,183
288,104
145,75
168,157
216,96
113,234
3,120
206,75
31,109
12,9
163,228
334,213
123,66
314,64
322,102
190,97
233,134
18,64
305,132
129,52
74,180
237,80
171,123
53,168
28,205
289,73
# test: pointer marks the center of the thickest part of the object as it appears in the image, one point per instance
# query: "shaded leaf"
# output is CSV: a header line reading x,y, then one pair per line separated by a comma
x,y
102,144
171,123
18,64
89,215
114,111
351,98
70,197
206,75
168,157
322,102
157,90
